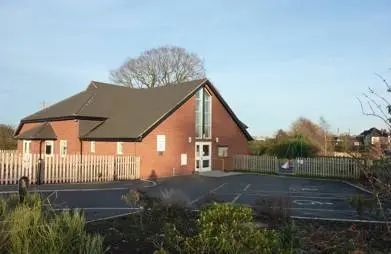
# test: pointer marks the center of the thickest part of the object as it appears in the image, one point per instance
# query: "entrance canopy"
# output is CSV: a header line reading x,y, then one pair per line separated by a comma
x,y
40,132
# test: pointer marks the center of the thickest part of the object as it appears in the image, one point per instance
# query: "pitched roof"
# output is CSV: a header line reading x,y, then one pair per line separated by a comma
x,y
109,111
41,132
374,132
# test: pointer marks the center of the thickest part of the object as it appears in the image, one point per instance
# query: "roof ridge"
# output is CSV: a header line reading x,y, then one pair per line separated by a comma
x,y
99,83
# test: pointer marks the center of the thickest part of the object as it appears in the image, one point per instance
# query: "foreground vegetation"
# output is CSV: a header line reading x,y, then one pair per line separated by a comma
x,y
168,225
33,227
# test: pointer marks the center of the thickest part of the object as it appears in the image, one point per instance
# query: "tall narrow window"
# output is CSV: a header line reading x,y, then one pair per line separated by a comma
x,y
120,147
207,116
203,114
92,146
63,147
26,146
49,148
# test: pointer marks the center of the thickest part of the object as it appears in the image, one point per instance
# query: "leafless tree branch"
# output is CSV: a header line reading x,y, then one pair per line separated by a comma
x,y
384,81
159,67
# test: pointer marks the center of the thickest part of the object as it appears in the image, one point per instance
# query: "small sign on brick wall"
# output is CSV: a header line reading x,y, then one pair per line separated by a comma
x,y
183,159
161,143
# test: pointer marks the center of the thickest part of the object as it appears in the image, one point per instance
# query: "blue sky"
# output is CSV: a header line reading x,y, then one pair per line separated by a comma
x,y
273,61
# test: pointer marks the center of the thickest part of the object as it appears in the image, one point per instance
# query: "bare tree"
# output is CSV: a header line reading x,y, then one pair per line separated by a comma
x,y
159,67
377,105
379,174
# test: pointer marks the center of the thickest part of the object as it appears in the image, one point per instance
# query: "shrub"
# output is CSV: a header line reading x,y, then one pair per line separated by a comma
x,y
272,209
31,227
293,148
223,228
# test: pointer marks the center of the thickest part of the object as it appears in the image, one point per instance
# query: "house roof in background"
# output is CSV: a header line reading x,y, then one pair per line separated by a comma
x,y
374,132
108,111
40,132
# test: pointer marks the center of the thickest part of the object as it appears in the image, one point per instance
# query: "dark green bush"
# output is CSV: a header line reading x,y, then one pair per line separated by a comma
x,y
223,228
293,148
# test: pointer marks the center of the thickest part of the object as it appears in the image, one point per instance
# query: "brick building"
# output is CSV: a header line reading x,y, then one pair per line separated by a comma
x,y
180,127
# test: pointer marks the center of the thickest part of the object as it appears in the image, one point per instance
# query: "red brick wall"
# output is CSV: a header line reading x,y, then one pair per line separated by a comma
x,y
177,128
229,134
65,130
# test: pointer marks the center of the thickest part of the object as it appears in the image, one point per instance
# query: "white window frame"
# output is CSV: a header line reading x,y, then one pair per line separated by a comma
x,y
200,95
63,144
92,147
161,143
222,151
26,143
183,159
120,148
51,143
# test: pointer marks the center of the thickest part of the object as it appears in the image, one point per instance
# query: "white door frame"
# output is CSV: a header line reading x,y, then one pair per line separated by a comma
x,y
201,157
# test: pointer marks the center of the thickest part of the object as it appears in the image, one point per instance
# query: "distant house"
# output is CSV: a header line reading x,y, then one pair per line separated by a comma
x,y
181,127
375,136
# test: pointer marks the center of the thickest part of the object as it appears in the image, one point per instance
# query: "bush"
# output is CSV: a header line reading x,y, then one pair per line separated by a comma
x,y
272,209
223,228
31,228
293,148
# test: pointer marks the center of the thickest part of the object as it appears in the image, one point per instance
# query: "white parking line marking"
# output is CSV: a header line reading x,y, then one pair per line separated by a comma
x,y
197,199
67,190
97,208
218,187
335,219
236,198
247,187
287,196
111,217
310,202
309,189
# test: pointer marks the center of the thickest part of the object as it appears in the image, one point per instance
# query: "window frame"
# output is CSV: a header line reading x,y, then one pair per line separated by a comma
x,y
51,143
62,142
92,147
222,154
200,128
28,143
120,148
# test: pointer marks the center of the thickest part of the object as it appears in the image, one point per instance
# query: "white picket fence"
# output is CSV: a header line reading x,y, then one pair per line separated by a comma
x,y
68,169
332,167
262,164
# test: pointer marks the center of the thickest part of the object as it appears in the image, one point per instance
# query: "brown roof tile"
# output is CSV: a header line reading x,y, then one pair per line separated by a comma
x,y
41,132
109,111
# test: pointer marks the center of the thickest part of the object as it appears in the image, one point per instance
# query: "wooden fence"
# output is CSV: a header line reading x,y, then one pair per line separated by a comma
x,y
333,167
67,169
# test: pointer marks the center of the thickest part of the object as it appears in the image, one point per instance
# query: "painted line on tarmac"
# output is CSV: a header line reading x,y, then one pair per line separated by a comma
x,y
358,187
153,183
247,187
110,217
268,195
197,199
297,192
203,196
320,210
218,187
236,198
67,190
97,208
340,220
